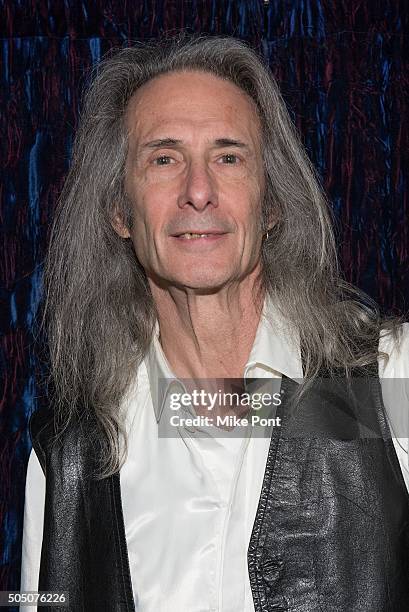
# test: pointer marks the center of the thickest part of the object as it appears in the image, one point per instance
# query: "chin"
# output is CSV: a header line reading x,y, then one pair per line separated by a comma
x,y
205,283
202,284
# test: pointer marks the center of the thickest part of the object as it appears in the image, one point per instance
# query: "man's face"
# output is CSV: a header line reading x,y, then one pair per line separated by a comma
x,y
194,165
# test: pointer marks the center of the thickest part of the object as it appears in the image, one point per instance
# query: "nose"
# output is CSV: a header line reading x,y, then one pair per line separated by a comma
x,y
199,188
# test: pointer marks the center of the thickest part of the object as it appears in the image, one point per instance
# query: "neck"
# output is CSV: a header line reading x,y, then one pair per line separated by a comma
x,y
208,336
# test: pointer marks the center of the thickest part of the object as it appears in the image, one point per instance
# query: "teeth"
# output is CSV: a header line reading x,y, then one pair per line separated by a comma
x,y
189,236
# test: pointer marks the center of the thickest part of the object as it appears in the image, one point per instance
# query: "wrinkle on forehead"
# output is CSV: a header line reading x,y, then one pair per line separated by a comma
x,y
183,96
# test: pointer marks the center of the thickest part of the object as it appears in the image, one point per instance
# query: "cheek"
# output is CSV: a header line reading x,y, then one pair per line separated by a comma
x,y
250,215
155,202
146,212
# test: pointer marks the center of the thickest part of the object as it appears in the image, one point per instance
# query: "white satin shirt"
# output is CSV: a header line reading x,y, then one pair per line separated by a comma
x,y
190,501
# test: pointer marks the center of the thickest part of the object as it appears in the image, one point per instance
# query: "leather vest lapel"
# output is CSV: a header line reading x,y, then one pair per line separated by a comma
x,y
84,548
331,527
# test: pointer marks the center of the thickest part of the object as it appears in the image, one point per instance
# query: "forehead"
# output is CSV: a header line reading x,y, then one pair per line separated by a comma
x,y
190,99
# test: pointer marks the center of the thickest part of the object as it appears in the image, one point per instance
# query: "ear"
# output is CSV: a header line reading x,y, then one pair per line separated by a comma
x,y
119,226
273,219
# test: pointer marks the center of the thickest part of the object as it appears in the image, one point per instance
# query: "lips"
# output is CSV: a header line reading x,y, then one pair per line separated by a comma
x,y
191,236
197,233
201,240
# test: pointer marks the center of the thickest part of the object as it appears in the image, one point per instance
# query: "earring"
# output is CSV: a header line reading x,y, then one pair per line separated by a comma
x,y
266,235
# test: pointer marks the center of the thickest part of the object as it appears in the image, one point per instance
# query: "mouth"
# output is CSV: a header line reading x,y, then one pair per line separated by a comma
x,y
197,235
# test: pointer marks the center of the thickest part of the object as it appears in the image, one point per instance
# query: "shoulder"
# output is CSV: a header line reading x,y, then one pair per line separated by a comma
x,y
40,423
394,379
50,441
394,352
42,429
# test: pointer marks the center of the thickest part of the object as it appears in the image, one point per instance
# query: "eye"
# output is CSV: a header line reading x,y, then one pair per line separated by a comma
x,y
162,160
229,158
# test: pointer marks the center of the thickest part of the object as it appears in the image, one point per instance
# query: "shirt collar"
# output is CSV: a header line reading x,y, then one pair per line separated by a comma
x,y
276,350
276,346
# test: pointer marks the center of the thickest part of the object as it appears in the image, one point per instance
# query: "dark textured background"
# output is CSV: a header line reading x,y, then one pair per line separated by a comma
x,y
342,67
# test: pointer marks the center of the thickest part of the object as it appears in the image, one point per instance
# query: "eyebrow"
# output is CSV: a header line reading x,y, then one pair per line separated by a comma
x,y
172,142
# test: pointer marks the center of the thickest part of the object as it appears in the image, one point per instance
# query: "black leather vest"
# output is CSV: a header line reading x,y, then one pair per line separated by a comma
x,y
331,529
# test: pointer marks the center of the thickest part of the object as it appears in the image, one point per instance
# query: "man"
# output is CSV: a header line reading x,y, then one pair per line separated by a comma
x,y
193,242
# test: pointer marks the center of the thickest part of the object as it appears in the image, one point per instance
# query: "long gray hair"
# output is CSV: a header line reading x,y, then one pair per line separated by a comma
x,y
98,309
